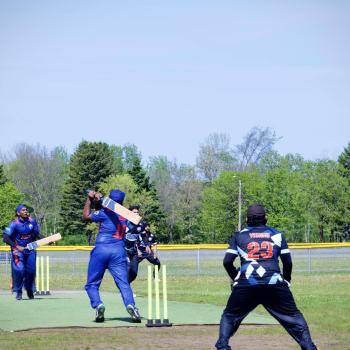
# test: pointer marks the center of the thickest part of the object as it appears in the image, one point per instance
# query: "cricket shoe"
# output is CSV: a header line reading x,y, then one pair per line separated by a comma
x,y
30,294
100,313
134,313
19,296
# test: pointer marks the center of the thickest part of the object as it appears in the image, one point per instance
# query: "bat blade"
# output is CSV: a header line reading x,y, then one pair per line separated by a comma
x,y
44,241
119,209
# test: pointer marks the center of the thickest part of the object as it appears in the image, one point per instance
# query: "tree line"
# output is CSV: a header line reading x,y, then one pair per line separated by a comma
x,y
308,200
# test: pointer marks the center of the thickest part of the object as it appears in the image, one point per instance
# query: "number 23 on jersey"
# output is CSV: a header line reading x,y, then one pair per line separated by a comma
x,y
263,250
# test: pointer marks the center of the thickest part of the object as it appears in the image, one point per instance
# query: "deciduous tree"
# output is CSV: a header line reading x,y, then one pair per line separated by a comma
x,y
39,174
215,156
257,143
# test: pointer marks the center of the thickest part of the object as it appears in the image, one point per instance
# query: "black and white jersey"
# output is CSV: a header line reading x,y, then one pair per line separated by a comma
x,y
146,239
259,249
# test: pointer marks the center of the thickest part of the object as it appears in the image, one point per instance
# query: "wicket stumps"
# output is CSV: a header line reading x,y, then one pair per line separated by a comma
x,y
157,322
42,288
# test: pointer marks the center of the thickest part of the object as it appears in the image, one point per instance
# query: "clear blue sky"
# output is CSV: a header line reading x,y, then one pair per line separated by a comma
x,y
165,74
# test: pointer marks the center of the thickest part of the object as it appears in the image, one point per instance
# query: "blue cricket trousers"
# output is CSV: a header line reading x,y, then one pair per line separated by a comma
x,y
23,269
111,257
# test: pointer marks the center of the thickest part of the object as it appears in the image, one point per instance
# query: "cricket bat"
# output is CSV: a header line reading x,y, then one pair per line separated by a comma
x,y
119,209
44,241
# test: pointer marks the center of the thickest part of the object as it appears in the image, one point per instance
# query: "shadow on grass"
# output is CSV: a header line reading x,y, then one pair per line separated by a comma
x,y
123,319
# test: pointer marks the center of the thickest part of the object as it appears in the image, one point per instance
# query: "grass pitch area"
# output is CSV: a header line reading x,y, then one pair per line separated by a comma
x,y
194,294
72,309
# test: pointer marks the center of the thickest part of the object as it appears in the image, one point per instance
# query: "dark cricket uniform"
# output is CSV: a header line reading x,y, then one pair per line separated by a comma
x,y
145,239
132,238
260,281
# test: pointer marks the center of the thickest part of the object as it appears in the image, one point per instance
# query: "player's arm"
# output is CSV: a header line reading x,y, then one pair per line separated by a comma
x,y
134,228
7,235
88,215
286,259
88,205
139,242
228,265
154,244
230,256
7,239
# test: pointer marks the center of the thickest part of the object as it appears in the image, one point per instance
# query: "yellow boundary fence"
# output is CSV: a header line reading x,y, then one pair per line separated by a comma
x,y
190,246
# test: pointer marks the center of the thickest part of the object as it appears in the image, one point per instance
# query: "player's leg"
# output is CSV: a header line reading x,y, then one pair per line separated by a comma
x,y
118,268
29,274
241,301
17,273
155,262
279,302
133,267
96,269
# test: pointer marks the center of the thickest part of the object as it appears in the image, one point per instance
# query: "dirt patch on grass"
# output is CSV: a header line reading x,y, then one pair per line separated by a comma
x,y
177,338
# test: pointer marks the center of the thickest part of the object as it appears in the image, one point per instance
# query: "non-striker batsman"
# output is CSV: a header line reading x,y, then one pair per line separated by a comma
x,y
18,234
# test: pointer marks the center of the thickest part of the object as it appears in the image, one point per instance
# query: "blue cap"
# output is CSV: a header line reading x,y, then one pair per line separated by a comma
x,y
117,195
20,207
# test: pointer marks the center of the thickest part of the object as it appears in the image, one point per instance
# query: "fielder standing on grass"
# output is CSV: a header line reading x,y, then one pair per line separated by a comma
x,y
20,232
260,281
108,254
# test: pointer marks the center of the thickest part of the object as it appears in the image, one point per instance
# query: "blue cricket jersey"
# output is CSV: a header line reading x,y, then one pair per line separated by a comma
x,y
112,226
22,231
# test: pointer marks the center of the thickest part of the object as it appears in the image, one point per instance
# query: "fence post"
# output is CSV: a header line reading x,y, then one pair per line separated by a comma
x,y
6,264
74,271
198,262
309,259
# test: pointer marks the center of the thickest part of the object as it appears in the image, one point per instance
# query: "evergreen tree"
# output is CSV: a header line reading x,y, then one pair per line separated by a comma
x,y
117,152
344,160
91,164
139,175
2,175
151,211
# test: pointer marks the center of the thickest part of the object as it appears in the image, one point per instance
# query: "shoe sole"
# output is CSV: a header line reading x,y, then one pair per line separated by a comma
x,y
134,317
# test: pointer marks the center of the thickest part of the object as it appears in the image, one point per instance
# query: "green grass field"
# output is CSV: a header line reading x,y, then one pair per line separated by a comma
x,y
323,297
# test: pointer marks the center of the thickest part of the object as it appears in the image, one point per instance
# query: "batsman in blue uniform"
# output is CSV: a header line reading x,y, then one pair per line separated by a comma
x,y
18,234
108,254
259,280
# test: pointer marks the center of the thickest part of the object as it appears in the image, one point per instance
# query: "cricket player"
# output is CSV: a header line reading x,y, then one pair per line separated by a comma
x,y
259,280
108,254
133,234
18,234
146,246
